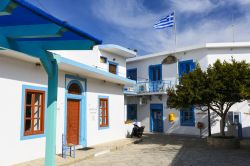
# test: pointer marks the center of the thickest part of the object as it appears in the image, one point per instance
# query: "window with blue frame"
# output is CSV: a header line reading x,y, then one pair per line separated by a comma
x,y
185,67
131,112
155,72
132,74
187,117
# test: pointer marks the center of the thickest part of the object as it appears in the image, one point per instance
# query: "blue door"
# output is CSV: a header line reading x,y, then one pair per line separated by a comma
x,y
155,77
156,119
185,67
132,112
132,74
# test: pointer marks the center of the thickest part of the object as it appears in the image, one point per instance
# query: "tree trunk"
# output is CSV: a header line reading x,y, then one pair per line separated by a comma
x,y
223,124
209,122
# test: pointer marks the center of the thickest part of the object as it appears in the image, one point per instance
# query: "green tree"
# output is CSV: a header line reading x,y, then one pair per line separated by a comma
x,y
218,88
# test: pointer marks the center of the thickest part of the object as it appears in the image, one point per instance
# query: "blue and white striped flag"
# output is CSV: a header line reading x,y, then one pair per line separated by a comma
x,y
165,22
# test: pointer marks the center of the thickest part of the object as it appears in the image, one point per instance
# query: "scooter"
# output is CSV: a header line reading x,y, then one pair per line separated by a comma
x,y
137,131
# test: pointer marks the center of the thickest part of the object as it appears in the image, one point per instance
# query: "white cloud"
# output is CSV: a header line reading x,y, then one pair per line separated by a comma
x,y
129,13
133,22
195,6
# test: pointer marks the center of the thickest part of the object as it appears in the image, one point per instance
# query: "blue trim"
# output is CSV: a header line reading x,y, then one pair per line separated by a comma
x,y
116,64
158,107
55,20
129,71
24,87
150,72
83,112
106,127
189,122
95,70
182,66
129,106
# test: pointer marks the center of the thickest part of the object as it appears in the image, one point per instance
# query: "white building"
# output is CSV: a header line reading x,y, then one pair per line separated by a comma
x,y
156,72
86,89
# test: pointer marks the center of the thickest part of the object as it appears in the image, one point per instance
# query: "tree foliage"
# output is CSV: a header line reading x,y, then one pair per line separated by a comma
x,y
219,87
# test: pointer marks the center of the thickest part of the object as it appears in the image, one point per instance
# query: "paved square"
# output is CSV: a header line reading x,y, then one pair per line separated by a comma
x,y
162,150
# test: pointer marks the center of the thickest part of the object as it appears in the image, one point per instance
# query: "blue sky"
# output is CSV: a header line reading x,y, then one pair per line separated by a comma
x,y
129,23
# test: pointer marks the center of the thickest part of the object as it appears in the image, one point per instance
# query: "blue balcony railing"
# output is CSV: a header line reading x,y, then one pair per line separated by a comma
x,y
149,87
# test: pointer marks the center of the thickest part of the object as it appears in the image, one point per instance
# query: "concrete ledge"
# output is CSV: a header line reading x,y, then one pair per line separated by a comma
x,y
227,143
245,144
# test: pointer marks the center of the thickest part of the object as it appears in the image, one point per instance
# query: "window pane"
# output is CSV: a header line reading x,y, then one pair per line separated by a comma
x,y
100,119
37,112
75,89
28,125
28,112
112,68
36,124
38,98
104,121
103,59
28,98
100,112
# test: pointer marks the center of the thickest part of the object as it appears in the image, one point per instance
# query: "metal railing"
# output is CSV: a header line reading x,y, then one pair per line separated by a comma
x,y
150,87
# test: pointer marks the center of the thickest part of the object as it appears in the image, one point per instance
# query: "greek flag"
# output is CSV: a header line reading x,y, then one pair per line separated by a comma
x,y
165,22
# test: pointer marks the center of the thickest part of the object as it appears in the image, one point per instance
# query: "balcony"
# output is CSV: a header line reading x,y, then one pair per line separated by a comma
x,y
149,88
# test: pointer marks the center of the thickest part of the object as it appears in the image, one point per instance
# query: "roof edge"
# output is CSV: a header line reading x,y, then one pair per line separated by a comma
x,y
55,20
207,45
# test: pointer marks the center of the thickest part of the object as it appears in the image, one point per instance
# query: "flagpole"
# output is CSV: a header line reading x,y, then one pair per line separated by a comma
x,y
233,26
175,41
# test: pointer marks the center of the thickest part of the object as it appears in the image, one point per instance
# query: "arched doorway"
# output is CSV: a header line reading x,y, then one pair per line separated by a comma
x,y
73,113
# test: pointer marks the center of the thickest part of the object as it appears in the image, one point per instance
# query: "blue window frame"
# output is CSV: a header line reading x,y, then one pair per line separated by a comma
x,y
185,67
155,72
24,89
187,117
132,74
131,112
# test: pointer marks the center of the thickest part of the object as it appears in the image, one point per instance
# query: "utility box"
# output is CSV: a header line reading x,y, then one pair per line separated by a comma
x,y
171,117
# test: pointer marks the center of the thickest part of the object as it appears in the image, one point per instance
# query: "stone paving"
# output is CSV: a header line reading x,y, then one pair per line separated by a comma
x,y
162,150
86,153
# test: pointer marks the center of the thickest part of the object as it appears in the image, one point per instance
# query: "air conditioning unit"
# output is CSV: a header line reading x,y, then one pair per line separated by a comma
x,y
142,88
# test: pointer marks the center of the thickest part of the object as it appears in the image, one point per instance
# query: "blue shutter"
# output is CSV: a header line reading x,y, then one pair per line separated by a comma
x,y
150,73
132,74
182,116
192,66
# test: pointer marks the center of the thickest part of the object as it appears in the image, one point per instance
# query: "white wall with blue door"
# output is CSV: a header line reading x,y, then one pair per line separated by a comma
x,y
185,120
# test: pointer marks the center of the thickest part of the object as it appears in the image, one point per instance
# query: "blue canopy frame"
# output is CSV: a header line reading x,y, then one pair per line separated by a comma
x,y
30,30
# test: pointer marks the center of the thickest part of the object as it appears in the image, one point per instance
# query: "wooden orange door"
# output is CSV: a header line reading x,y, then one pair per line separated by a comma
x,y
73,118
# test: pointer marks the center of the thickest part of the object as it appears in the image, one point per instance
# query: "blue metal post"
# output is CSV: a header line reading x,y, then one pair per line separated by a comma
x,y
51,116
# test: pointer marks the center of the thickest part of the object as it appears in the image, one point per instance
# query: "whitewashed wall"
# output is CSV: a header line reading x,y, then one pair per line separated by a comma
x,y
13,75
92,58
116,128
204,57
